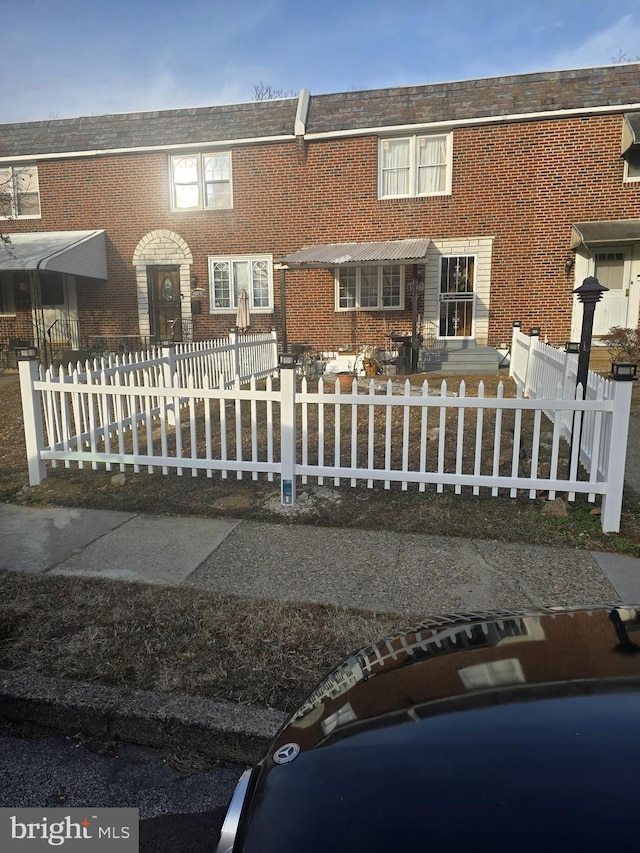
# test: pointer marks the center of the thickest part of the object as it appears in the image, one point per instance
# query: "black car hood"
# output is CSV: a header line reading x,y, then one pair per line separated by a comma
x,y
462,731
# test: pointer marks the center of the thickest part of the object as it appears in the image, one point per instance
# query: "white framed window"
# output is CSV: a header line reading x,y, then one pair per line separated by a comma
x,y
19,192
632,164
230,275
414,166
369,287
201,181
7,295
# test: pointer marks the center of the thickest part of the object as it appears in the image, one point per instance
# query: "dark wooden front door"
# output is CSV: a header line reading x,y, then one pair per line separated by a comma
x,y
164,303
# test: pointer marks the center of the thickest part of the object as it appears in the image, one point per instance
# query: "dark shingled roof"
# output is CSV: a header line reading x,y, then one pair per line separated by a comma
x,y
143,130
614,86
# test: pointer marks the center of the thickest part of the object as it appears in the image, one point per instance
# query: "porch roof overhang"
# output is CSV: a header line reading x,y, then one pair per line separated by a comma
x,y
604,231
81,253
338,254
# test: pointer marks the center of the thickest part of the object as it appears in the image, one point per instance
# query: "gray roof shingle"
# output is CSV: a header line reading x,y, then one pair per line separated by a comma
x,y
615,86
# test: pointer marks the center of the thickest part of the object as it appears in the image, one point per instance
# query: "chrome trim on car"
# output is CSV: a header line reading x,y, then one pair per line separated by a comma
x,y
232,817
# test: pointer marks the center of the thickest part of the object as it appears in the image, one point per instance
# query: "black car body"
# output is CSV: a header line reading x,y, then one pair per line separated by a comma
x,y
478,731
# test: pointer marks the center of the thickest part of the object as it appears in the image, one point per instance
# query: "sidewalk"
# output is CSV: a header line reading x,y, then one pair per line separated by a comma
x,y
356,568
383,571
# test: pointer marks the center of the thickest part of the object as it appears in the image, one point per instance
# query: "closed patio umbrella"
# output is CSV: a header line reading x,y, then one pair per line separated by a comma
x,y
243,317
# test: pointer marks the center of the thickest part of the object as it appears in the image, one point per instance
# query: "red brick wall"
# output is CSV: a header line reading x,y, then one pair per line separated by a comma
x,y
522,183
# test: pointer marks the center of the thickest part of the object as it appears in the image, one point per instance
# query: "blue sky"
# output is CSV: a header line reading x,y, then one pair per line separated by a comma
x,y
64,58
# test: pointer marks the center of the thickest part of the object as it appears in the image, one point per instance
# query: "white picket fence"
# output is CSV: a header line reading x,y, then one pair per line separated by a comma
x,y
147,418
546,373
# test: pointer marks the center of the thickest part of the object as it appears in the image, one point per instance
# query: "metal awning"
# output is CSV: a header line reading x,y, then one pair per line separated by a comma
x,y
335,254
604,231
630,131
81,253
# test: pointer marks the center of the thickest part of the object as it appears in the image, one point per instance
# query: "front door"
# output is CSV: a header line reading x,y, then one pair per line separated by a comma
x,y
612,269
164,303
457,296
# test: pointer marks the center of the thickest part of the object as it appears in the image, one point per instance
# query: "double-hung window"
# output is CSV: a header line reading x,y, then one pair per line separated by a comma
x,y
369,287
229,276
19,192
201,181
414,166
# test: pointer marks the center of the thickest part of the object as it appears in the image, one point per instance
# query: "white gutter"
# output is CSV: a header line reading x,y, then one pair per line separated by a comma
x,y
143,149
393,130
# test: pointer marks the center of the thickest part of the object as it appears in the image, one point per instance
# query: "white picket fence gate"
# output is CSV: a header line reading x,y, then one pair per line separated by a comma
x,y
174,412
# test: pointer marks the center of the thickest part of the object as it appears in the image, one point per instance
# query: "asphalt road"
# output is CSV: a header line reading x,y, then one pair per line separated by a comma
x,y
178,813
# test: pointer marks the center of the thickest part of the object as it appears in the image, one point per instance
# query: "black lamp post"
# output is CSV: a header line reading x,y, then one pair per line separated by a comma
x,y
589,293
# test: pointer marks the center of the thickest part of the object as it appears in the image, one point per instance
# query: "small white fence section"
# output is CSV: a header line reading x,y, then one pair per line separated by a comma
x,y
238,358
546,373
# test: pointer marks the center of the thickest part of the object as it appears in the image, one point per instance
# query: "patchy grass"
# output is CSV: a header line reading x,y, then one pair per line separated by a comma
x,y
176,639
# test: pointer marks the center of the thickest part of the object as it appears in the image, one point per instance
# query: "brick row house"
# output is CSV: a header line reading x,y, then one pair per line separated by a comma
x,y
349,219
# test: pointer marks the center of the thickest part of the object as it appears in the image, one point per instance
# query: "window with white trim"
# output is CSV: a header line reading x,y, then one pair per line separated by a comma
x,y
19,192
414,166
369,287
230,275
632,164
201,181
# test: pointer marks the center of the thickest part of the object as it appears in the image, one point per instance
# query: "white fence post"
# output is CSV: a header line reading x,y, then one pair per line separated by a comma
x,y
32,417
534,340
233,340
612,499
288,435
168,350
513,352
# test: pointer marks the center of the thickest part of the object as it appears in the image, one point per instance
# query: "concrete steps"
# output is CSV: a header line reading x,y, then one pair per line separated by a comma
x,y
463,357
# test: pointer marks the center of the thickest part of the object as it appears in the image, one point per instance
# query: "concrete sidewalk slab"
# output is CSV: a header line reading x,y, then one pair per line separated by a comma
x,y
396,573
623,572
150,549
34,539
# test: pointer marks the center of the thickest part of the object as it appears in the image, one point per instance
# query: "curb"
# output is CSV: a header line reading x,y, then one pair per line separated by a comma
x,y
219,731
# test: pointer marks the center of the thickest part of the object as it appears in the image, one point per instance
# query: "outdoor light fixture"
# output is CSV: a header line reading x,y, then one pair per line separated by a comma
x,y
534,330
194,280
622,371
26,353
572,347
287,360
568,264
516,324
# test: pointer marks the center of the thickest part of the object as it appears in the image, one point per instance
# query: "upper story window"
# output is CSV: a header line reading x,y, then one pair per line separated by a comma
x,y
201,181
414,166
229,276
19,192
370,287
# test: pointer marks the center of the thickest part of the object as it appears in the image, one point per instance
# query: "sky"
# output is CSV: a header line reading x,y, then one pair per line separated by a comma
x,y
66,58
